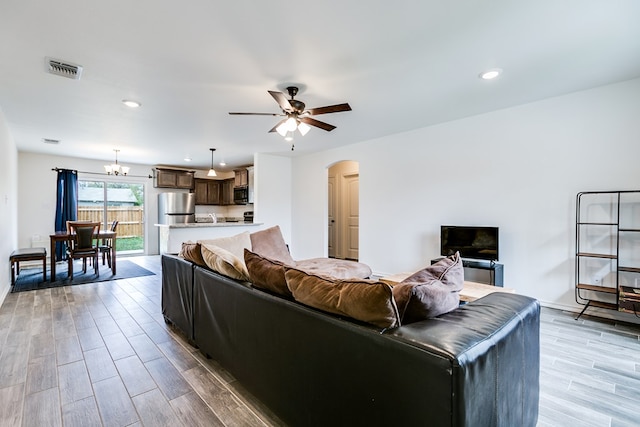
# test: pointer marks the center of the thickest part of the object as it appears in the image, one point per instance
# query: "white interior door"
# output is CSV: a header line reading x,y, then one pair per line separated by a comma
x,y
332,217
343,210
351,216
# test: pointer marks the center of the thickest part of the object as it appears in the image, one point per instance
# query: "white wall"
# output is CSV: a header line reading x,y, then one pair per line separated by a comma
x,y
37,194
272,193
518,169
8,204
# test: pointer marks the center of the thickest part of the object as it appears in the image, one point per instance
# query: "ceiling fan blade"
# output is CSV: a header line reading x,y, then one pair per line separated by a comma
x,y
329,109
317,123
255,114
281,99
273,129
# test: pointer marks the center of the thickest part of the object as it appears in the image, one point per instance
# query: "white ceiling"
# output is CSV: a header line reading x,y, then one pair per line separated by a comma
x,y
401,65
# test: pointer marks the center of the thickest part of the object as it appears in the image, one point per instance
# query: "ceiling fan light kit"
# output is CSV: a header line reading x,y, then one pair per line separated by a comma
x,y
288,136
303,128
290,125
296,116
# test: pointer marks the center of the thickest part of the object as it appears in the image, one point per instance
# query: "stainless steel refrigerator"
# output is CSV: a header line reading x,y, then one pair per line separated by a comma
x,y
176,208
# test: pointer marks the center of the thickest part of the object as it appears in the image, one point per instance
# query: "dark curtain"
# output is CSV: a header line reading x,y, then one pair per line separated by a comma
x,y
66,204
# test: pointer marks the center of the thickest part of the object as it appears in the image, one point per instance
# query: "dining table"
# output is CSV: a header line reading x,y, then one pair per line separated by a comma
x,y
63,236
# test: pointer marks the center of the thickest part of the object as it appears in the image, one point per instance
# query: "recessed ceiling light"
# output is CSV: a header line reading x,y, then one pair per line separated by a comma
x,y
222,164
131,104
187,159
490,74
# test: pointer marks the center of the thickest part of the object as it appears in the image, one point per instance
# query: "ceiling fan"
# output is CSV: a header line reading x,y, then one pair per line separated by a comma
x,y
296,116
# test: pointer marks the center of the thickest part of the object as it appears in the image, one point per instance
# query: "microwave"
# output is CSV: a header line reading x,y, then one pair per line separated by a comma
x,y
241,195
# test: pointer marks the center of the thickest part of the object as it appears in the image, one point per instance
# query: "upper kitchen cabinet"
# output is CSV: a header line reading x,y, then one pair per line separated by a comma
x,y
241,177
226,197
207,191
174,178
214,192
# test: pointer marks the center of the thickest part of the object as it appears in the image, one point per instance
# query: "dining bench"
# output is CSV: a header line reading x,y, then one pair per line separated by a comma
x,y
27,254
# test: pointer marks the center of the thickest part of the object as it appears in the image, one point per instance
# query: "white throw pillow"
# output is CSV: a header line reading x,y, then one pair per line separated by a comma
x,y
224,262
234,244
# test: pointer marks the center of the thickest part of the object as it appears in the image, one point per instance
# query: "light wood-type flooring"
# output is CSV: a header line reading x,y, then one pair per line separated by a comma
x,y
589,371
101,355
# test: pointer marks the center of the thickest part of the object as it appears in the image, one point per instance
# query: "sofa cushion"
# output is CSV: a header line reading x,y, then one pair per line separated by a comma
x,y
224,262
235,244
192,252
430,292
267,274
448,270
269,243
368,301
336,268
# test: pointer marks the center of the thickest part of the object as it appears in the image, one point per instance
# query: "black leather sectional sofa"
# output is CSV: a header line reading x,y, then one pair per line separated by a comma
x,y
475,366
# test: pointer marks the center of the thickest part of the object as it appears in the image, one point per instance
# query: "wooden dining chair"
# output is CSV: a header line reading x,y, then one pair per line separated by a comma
x,y
82,245
105,247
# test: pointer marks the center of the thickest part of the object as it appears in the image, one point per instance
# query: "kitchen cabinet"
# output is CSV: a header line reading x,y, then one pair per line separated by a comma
x,y
226,198
214,192
241,177
207,191
173,178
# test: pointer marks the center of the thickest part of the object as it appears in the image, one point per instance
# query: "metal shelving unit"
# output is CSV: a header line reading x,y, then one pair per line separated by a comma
x,y
607,269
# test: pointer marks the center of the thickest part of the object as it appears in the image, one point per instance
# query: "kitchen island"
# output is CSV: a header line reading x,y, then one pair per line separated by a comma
x,y
173,235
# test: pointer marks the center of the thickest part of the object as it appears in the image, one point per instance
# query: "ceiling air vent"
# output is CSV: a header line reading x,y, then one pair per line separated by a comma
x,y
50,141
64,69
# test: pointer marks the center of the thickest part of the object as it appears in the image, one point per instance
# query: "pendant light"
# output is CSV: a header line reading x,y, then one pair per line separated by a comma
x,y
211,171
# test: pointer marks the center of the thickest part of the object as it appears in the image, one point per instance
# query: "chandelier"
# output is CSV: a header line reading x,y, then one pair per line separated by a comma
x,y
115,168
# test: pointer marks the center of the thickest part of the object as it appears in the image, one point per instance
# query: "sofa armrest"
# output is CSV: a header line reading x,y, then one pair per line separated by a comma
x,y
177,293
493,345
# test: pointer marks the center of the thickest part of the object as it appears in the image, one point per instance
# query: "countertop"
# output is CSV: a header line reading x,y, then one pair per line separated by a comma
x,y
208,224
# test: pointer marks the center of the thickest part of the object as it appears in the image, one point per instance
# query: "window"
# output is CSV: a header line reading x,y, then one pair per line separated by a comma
x,y
115,201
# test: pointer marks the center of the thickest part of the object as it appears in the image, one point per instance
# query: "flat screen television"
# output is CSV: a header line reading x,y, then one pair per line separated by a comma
x,y
471,242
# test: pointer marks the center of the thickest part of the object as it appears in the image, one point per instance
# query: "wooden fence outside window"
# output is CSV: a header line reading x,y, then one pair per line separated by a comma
x,y
130,218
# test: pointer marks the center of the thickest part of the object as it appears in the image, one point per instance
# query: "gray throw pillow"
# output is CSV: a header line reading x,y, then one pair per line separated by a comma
x,y
432,291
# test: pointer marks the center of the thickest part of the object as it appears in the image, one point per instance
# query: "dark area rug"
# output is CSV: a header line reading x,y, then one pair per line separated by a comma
x,y
31,278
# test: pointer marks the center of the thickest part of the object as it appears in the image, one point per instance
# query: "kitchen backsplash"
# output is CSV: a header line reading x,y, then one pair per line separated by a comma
x,y
218,218
235,211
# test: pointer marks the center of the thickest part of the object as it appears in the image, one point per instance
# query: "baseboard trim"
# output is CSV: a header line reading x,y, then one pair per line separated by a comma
x,y
618,316
4,293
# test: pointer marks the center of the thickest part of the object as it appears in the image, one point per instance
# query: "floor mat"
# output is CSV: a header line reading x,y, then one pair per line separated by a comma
x,y
31,278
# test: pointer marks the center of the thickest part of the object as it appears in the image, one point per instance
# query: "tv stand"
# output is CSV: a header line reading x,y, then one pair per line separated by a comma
x,y
496,270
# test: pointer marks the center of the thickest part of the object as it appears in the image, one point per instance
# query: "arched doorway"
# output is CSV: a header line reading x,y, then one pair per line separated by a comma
x,y
343,210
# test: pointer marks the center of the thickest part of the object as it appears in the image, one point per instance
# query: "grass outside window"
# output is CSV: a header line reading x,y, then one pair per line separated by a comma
x,y
135,243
